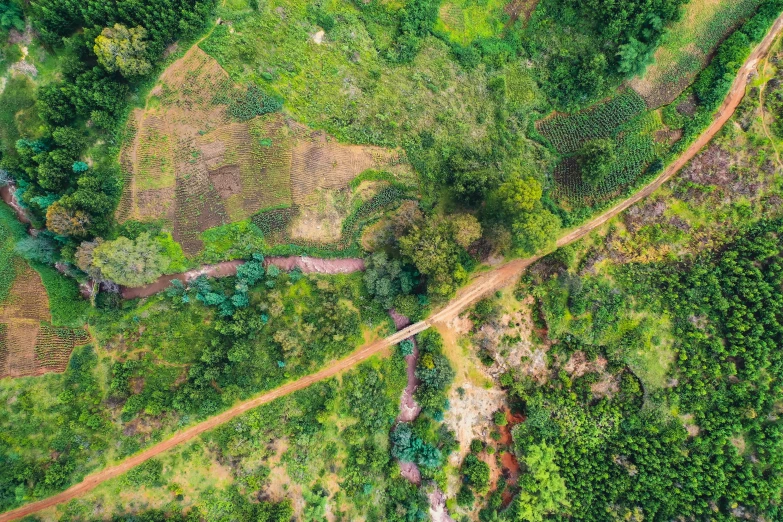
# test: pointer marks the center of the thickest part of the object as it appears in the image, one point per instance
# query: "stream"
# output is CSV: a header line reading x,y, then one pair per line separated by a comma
x,y
409,410
307,265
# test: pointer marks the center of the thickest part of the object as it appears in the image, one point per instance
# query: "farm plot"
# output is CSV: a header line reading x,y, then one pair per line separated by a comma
x,y
687,46
636,149
29,345
568,132
26,345
204,153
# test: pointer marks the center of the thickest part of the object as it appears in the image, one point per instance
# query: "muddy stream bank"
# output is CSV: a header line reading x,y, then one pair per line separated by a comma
x,y
7,194
409,410
308,265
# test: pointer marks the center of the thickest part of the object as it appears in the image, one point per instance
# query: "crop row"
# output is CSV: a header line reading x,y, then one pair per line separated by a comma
x,y
635,154
569,132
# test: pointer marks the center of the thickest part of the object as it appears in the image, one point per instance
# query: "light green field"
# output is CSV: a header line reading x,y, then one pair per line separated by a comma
x,y
466,20
687,45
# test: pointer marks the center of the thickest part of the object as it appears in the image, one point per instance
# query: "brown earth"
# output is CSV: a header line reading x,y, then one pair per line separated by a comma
x,y
7,194
480,286
188,161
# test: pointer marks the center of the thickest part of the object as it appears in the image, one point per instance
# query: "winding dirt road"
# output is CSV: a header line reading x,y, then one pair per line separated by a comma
x,y
480,286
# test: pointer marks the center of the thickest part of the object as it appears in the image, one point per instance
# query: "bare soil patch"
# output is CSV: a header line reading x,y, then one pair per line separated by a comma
x,y
517,9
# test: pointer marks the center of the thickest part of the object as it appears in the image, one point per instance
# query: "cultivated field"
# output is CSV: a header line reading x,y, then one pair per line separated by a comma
x,y
622,119
202,154
688,45
29,344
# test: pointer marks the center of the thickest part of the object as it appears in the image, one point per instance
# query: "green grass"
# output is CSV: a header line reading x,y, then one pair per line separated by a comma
x,y
10,231
343,85
17,113
465,20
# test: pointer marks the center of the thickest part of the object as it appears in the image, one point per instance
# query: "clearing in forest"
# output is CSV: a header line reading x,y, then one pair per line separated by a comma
x,y
205,152
688,45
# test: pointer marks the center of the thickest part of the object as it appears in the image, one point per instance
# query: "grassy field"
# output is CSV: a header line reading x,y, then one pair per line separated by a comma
x,y
687,46
464,21
343,85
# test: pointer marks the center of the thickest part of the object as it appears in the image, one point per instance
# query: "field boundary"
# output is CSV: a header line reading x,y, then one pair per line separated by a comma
x,y
480,286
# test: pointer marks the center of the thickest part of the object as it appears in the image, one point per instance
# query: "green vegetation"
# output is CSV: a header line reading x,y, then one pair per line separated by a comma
x,y
596,439
646,377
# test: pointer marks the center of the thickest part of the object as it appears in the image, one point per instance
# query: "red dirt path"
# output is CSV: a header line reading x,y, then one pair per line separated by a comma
x,y
7,195
480,286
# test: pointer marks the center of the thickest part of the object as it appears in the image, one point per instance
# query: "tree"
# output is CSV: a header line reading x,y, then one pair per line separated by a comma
x,y
519,194
431,247
534,231
131,263
121,49
466,229
84,259
634,56
596,160
66,222
543,489
11,16
386,279
476,473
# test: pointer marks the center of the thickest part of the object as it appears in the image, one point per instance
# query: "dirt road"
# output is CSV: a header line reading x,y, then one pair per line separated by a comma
x,y
480,286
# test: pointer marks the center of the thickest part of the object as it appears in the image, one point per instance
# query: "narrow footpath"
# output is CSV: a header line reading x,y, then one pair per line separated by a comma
x,y
480,286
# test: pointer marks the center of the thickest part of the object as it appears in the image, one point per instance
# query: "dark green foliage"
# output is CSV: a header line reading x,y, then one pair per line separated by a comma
x,y
596,159
622,453
365,399
416,21
465,497
250,103
407,446
432,248
476,473
164,20
485,311
435,372
11,16
386,279
145,474
587,47
406,347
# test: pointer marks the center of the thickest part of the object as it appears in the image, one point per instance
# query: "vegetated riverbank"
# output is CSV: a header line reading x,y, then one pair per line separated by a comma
x,y
409,411
308,265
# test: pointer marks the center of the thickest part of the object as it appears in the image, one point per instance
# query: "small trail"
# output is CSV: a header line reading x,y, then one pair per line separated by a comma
x,y
480,286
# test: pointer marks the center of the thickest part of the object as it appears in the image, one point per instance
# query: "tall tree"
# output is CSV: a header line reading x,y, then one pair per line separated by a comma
x,y
121,49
